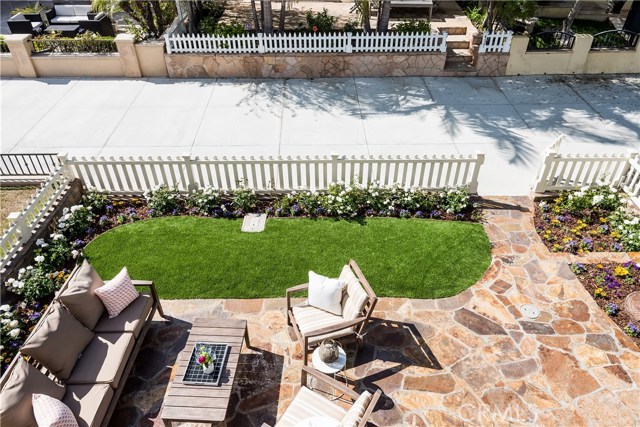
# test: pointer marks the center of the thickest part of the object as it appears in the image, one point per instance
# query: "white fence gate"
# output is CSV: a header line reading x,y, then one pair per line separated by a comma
x,y
567,171
496,42
134,176
20,231
306,43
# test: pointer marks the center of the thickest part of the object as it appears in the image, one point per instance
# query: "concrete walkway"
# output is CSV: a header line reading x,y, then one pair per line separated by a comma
x,y
511,119
470,360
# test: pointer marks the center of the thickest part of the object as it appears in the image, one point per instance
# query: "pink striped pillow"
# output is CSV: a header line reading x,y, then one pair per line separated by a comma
x,y
118,293
51,412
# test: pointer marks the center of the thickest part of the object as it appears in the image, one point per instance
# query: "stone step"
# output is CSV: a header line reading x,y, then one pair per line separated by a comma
x,y
458,42
454,31
459,69
459,55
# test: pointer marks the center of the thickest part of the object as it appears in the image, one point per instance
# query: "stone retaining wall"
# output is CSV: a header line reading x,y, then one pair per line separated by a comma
x,y
305,65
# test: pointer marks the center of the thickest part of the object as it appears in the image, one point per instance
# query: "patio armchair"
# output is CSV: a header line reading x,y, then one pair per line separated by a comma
x,y
99,23
311,408
21,24
312,325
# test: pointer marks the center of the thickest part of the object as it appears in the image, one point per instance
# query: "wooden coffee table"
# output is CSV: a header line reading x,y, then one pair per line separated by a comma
x,y
204,403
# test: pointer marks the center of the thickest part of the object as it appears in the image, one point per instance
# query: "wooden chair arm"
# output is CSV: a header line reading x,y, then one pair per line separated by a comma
x,y
370,407
336,327
152,288
294,289
306,370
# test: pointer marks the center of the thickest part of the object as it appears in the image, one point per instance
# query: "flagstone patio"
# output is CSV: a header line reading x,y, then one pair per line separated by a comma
x,y
469,359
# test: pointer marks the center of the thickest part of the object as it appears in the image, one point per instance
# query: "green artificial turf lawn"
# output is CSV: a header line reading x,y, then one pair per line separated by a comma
x,y
190,257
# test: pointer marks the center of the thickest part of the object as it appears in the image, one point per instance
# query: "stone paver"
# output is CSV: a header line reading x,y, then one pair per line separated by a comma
x,y
467,360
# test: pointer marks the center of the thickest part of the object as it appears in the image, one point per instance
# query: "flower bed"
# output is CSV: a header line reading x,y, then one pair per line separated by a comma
x,y
57,254
610,284
592,219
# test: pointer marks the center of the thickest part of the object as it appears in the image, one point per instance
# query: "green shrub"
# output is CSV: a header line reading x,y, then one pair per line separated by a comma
x,y
163,201
96,200
351,26
204,200
207,25
321,22
232,29
454,200
36,7
75,221
85,43
214,8
244,199
35,283
476,15
413,26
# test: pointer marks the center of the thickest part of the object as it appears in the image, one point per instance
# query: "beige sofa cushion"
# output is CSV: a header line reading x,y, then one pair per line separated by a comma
x,y
103,360
80,299
310,319
308,404
88,402
16,408
58,341
131,319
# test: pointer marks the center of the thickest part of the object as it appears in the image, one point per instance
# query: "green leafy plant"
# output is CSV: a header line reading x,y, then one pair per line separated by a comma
x,y
231,29
413,26
476,15
204,200
36,7
244,199
320,22
55,253
351,26
454,200
163,200
207,25
75,221
85,43
96,200
3,45
35,283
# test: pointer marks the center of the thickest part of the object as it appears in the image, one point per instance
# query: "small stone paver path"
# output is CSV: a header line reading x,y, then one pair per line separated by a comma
x,y
471,359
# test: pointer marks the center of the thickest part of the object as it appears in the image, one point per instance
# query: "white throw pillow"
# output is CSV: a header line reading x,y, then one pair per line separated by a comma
x,y
118,293
50,412
325,293
319,422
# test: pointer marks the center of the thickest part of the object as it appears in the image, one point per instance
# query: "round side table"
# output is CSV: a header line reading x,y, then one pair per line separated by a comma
x,y
330,368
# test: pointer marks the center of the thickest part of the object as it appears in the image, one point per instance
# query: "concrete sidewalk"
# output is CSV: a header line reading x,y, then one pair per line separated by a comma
x,y
511,119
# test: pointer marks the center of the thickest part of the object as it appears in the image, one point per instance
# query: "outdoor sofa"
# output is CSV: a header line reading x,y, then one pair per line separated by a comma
x,y
78,354
62,14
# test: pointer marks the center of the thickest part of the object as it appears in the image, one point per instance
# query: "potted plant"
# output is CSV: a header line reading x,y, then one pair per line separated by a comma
x,y
207,360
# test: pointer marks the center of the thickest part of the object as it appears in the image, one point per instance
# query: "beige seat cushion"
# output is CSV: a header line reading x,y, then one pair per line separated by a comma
x,y
15,398
310,319
88,402
131,319
103,360
309,404
80,299
58,341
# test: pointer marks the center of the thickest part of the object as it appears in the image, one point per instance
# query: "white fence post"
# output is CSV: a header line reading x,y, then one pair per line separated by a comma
x,y
347,43
540,184
473,185
334,167
188,167
507,44
443,45
261,47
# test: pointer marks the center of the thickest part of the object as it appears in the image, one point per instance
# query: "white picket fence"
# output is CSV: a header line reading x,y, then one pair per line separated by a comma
x,y
631,184
306,43
20,231
496,42
134,176
570,171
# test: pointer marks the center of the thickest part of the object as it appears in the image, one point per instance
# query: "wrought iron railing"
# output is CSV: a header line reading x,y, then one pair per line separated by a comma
x,y
551,40
28,164
615,39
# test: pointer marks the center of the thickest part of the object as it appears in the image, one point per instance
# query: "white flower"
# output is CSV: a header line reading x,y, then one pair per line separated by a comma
x,y
5,321
39,258
66,217
88,217
5,307
597,199
75,208
9,282
29,267
21,271
40,242
20,285
62,225
14,324
75,253
57,236
1,347
23,305
14,333
65,211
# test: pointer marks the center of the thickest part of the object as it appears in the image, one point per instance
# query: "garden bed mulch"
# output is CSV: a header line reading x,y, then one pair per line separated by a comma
x,y
609,285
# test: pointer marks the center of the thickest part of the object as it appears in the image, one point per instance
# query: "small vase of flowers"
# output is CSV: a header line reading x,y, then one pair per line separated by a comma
x,y
206,359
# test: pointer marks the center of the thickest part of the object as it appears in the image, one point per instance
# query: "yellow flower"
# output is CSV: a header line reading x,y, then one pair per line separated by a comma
x,y
621,271
599,293
603,220
600,266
